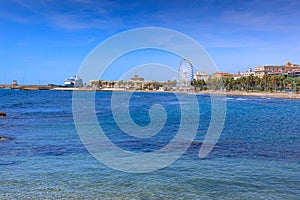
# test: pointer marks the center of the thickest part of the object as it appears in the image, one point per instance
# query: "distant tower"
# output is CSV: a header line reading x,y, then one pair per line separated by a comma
x,y
14,83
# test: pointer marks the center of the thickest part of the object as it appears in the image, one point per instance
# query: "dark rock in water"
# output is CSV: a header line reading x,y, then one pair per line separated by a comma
x,y
196,143
3,138
2,114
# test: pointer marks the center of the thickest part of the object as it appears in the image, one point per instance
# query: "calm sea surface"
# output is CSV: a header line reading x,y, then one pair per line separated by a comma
x,y
256,157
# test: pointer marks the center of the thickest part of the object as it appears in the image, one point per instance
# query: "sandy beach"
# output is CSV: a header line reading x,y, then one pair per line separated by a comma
x,y
285,95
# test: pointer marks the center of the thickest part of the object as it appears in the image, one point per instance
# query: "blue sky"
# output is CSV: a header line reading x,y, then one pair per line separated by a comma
x,y
46,41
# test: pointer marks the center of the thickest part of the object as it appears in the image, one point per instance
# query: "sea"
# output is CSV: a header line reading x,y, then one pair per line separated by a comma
x,y
257,155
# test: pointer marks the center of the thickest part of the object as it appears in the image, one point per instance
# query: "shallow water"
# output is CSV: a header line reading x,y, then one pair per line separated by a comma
x,y
256,157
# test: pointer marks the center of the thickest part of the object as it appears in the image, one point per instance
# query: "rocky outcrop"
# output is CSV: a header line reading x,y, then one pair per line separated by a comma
x,y
197,143
3,138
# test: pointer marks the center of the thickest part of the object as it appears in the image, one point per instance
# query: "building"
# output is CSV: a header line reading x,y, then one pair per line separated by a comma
x,y
260,71
249,72
74,81
236,76
222,75
14,83
135,82
288,64
136,78
294,74
201,76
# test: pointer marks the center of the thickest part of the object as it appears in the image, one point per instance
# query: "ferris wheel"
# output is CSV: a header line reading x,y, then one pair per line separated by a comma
x,y
185,73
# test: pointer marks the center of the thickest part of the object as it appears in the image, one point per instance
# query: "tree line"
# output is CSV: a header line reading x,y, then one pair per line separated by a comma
x,y
250,83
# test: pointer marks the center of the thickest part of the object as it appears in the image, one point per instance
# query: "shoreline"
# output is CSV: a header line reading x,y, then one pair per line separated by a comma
x,y
278,95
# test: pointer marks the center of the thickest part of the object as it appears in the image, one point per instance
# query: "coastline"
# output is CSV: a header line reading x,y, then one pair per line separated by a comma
x,y
277,95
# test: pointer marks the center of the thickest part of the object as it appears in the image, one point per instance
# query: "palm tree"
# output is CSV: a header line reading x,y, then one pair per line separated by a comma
x,y
275,82
243,82
257,82
266,80
281,79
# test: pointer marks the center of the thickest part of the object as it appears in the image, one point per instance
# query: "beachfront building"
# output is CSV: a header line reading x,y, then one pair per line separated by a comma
x,y
236,76
134,83
136,78
260,71
201,76
294,74
249,72
74,81
219,75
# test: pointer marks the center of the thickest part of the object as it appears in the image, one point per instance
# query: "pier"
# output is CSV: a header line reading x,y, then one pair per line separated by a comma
x,y
27,87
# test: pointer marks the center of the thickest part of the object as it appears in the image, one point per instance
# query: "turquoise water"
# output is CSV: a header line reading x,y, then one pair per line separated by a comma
x,y
256,157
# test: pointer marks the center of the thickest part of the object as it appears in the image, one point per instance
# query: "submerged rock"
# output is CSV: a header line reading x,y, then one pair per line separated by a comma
x,y
2,114
3,138
197,143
